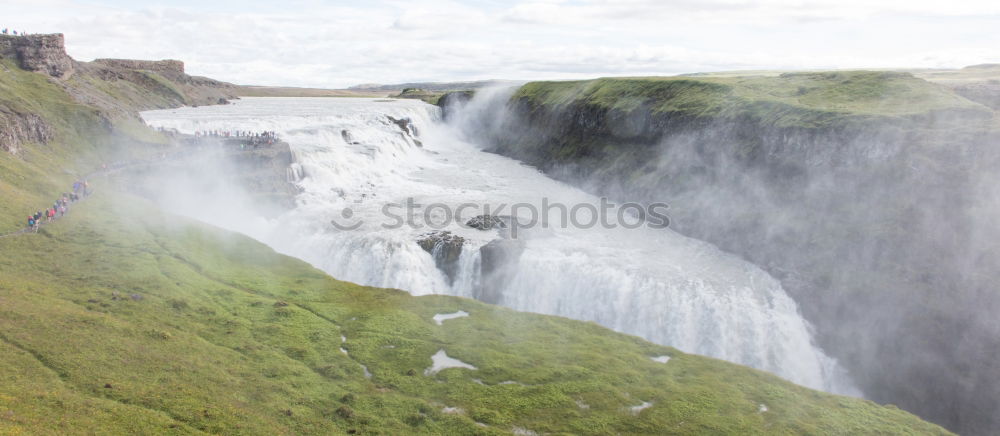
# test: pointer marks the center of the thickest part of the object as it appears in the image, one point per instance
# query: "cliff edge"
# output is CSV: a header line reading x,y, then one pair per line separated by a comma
x,y
869,194
39,53
110,89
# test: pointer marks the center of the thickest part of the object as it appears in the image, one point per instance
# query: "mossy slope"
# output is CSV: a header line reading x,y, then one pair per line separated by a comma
x,y
122,318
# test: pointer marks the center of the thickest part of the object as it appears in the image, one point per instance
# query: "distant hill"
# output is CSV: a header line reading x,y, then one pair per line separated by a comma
x,y
289,91
430,86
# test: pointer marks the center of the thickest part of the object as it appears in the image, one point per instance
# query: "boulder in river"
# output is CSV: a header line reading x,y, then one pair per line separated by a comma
x,y
498,263
406,125
487,222
445,248
348,138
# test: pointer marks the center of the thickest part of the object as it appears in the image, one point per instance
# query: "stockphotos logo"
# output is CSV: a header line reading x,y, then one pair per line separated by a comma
x,y
514,218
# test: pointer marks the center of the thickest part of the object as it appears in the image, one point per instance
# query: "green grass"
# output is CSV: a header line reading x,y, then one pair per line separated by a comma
x,y
228,337
819,99
120,319
84,138
429,97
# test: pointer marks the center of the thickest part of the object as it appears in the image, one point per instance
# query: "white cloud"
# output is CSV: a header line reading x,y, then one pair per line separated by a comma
x,y
335,44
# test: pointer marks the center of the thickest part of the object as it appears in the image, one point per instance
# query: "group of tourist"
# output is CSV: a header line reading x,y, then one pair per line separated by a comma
x,y
14,32
254,138
236,134
60,206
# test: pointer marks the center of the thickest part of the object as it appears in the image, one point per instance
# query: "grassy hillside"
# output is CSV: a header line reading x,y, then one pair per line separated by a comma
x,y
819,99
82,137
120,319
129,320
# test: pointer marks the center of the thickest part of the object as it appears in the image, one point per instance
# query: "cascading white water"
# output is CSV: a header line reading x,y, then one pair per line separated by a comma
x,y
653,283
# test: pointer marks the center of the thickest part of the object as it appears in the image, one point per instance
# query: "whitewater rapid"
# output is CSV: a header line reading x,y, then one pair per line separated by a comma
x,y
352,156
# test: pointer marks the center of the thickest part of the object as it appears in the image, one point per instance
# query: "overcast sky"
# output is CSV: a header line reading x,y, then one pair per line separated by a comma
x,y
339,43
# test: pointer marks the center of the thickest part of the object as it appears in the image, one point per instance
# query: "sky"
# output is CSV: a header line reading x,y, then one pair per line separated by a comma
x,y
336,44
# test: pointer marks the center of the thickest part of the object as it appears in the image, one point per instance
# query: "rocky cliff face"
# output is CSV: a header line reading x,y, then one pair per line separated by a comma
x,y
265,172
40,53
445,248
214,175
17,129
143,85
875,224
167,67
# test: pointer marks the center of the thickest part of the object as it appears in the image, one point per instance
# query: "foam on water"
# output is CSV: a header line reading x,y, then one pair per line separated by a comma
x,y
653,283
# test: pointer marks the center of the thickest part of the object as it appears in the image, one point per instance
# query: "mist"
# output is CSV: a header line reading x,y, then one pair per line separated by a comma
x,y
884,233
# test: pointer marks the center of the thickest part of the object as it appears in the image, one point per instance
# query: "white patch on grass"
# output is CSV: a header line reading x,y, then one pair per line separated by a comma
x,y
368,374
582,405
762,408
342,350
452,410
520,431
440,361
661,359
442,317
636,409
343,338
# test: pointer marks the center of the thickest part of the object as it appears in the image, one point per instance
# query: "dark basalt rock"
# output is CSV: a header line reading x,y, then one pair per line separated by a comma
x,y
445,248
498,263
487,222
40,53
405,124
348,138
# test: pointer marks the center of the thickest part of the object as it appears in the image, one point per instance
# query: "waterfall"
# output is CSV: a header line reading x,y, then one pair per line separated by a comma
x,y
359,158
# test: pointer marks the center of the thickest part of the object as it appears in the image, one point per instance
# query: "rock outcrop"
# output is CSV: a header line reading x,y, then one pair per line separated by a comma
x,y
446,249
451,100
266,172
498,263
39,53
348,138
265,175
17,129
487,222
407,128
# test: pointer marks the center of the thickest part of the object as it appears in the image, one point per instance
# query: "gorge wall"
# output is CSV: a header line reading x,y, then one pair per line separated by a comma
x,y
215,176
869,195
